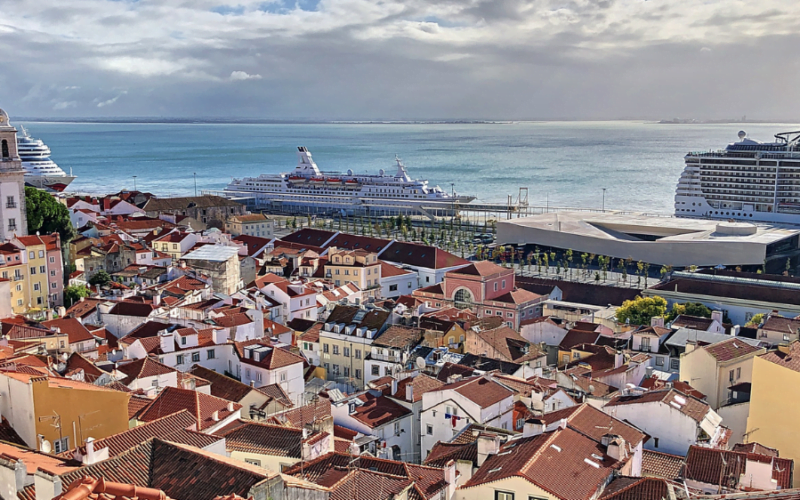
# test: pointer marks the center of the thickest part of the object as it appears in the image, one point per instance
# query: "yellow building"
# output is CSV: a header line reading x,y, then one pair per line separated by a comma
x,y
60,413
250,225
773,403
36,284
715,369
354,266
15,268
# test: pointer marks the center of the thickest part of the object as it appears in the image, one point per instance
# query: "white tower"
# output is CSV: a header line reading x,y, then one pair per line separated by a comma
x,y
12,184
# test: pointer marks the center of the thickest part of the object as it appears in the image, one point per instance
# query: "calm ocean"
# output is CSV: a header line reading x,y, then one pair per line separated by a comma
x,y
563,163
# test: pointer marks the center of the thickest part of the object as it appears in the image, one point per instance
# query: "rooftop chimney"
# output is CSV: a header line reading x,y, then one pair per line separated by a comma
x,y
716,315
215,416
394,386
230,407
488,444
409,392
532,427
657,321
619,359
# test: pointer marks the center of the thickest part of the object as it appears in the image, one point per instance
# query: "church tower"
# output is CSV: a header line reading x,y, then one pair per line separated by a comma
x,y
13,219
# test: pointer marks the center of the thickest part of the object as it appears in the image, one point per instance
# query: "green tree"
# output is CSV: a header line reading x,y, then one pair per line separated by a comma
x,y
641,310
755,321
74,293
46,215
101,278
689,309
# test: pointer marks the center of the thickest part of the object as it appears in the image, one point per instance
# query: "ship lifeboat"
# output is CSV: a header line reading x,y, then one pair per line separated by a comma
x,y
351,184
317,180
297,179
333,180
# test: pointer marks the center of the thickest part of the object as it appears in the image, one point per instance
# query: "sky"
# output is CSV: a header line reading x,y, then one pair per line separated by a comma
x,y
401,59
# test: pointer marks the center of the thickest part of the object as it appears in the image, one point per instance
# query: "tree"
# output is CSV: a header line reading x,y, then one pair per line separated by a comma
x,y
755,321
46,215
74,293
101,278
689,309
641,310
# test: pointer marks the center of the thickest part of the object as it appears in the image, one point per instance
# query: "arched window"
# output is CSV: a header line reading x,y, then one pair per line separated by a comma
x,y
5,149
463,298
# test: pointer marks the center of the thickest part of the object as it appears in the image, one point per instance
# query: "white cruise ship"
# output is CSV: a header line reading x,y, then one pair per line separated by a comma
x,y
308,189
40,171
748,180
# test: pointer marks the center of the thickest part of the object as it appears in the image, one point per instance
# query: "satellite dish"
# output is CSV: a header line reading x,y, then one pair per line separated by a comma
x,y
382,172
742,135
46,446
350,171
420,362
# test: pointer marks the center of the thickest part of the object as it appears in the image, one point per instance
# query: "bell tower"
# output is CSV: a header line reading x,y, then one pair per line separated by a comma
x,y
12,183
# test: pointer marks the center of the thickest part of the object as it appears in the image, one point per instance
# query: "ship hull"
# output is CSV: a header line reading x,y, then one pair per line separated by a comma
x,y
56,183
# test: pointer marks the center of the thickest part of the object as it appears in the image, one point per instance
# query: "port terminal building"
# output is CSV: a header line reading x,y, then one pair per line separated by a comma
x,y
665,241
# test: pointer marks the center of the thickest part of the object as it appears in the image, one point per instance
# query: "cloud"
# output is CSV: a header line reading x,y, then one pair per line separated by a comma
x,y
396,59
241,75
108,102
62,105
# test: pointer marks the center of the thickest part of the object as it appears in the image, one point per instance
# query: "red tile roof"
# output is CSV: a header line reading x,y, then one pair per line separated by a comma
x,y
789,359
546,460
417,255
592,422
72,327
390,270
730,349
265,439
713,466
201,406
655,384
688,405
483,268
277,357
142,368
222,386
420,384
479,390
642,488
311,413
378,411
663,465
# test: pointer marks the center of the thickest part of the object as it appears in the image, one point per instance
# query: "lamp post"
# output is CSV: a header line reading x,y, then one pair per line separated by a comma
x,y
604,199
134,183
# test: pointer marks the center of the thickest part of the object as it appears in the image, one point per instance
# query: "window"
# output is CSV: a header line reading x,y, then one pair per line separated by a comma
x,y
358,374
387,371
495,286
730,376
36,286
31,255
346,352
504,284
53,272
282,376
210,354
655,442
397,428
325,348
392,288
462,297
10,202
489,311
644,345
520,423
659,361
509,315
183,340
258,376
52,260
376,370
61,445
358,353
195,357
42,270
154,383
427,279
180,359
738,373
429,430
576,355
503,495
675,364
336,349
252,461
12,225
33,270
41,254
346,371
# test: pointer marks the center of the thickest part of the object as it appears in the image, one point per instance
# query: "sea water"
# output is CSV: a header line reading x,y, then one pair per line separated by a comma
x,y
563,164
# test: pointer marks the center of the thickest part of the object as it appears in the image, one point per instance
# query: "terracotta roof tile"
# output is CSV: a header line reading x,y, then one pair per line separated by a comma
x,y
688,405
713,466
222,386
143,368
730,349
378,411
201,406
663,465
265,439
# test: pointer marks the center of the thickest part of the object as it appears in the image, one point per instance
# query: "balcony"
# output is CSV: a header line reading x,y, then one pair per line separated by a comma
x,y
11,204
12,227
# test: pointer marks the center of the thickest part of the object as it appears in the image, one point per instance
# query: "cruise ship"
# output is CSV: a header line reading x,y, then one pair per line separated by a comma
x,y
748,180
40,171
308,189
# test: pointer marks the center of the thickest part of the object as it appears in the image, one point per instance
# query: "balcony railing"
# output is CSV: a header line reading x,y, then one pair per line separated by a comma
x,y
11,204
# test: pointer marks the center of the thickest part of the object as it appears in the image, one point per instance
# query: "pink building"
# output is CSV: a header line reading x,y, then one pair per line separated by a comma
x,y
488,290
55,269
